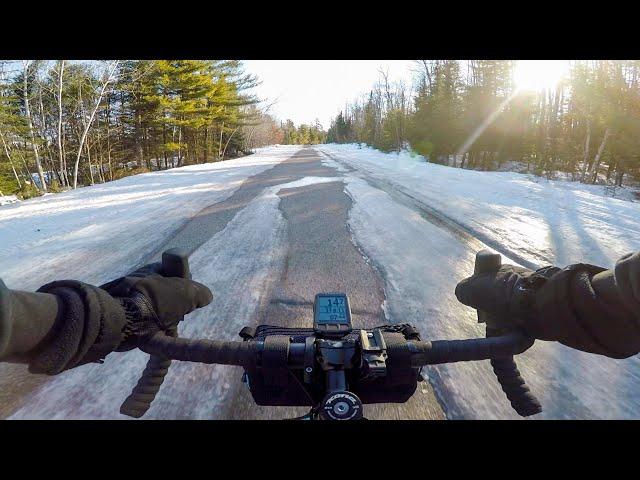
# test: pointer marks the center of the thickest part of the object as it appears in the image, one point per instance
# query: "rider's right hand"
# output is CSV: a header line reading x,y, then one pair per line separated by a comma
x,y
581,306
507,295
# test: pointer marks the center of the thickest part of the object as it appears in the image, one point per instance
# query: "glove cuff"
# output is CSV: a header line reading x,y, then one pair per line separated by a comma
x,y
89,327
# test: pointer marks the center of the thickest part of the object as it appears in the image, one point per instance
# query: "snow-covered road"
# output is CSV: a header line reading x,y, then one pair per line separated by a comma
x,y
419,261
98,232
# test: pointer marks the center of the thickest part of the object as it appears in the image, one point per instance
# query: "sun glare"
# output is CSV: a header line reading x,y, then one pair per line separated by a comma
x,y
539,74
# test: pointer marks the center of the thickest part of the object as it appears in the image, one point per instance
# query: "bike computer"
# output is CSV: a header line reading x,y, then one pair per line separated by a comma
x,y
331,314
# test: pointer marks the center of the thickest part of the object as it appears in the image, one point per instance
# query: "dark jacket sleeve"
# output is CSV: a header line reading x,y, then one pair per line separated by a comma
x,y
26,322
63,325
591,309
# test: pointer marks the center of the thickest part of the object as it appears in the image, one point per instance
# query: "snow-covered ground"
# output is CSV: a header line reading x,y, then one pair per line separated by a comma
x,y
99,232
542,221
7,199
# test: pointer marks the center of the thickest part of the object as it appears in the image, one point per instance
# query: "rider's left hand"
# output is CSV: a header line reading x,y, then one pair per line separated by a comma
x,y
118,316
154,302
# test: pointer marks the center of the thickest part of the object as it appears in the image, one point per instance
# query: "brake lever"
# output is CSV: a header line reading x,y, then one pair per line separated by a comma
x,y
175,263
513,385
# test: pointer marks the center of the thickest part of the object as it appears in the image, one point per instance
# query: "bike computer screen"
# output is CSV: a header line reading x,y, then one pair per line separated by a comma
x,y
331,313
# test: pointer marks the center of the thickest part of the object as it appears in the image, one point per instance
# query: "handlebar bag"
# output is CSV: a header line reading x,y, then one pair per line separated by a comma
x,y
276,385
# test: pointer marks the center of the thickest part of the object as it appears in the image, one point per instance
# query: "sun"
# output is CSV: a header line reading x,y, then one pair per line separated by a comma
x,y
539,74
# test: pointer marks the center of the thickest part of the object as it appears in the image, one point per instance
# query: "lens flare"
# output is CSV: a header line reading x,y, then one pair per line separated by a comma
x,y
539,74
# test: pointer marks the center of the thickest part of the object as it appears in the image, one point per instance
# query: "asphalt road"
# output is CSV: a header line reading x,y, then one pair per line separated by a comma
x,y
320,256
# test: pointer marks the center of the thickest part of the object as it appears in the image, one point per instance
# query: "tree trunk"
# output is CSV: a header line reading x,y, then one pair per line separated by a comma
x,y
585,158
164,150
596,161
27,111
220,142
227,144
100,160
8,154
105,83
109,138
89,160
205,148
179,147
63,171
612,164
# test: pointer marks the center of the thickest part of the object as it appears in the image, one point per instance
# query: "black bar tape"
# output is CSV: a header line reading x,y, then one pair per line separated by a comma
x,y
449,351
137,404
513,385
201,351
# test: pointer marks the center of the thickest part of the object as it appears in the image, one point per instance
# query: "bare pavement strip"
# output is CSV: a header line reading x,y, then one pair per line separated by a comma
x,y
320,257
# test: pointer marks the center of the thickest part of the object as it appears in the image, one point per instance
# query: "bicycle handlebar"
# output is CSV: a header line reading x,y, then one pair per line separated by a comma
x,y
473,349
505,368
244,354
164,347
201,351
175,263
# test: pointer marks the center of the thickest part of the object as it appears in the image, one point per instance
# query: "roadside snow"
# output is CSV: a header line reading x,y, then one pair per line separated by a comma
x,y
7,199
542,221
97,233
421,264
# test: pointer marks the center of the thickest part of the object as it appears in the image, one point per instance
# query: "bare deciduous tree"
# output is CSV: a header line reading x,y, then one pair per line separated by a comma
x,y
108,77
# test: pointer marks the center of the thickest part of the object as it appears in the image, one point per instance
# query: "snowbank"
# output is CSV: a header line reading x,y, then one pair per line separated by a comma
x,y
7,199
542,221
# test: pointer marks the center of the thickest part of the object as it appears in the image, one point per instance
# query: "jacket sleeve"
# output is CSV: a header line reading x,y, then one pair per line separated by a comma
x,y
591,309
627,279
26,322
65,324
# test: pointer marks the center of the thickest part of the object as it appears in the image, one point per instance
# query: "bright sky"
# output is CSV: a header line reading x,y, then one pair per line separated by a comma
x,y
310,89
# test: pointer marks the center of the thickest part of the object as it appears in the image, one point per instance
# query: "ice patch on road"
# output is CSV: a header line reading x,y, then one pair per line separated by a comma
x,y
303,182
421,264
327,161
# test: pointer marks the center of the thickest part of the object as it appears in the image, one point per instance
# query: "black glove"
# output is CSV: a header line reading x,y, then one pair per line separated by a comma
x,y
580,306
118,316
508,295
153,302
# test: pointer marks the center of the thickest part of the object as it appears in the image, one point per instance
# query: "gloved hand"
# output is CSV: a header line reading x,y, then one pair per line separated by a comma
x,y
582,306
153,302
508,295
118,316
